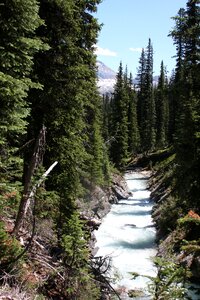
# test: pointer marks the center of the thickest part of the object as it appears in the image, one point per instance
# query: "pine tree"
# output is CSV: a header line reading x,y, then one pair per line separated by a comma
x,y
119,146
192,56
133,131
179,40
69,107
177,82
173,108
140,87
69,104
97,148
146,101
162,110
106,115
18,23
187,132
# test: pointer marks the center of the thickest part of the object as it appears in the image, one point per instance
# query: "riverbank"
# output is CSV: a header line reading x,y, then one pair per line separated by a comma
x,y
127,236
43,269
98,200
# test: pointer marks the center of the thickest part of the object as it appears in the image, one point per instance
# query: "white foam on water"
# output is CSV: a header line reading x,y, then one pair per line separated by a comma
x,y
127,235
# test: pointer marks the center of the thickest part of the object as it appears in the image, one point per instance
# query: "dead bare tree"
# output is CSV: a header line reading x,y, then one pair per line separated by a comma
x,y
29,189
100,267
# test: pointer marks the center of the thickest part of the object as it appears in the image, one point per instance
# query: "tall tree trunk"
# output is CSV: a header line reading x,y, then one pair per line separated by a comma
x,y
36,160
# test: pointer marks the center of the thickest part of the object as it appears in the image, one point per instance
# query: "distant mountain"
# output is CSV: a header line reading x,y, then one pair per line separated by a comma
x,y
107,79
105,72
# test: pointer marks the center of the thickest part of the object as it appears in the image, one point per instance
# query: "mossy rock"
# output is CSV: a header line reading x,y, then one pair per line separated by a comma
x,y
135,293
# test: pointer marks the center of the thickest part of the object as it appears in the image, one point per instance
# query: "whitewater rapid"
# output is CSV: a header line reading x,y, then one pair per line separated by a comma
x,y
127,235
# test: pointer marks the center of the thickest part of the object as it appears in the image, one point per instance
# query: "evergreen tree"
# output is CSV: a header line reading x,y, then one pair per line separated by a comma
x,y
106,114
18,23
192,32
96,149
179,40
69,106
177,83
141,86
133,131
173,108
119,146
162,110
187,133
146,101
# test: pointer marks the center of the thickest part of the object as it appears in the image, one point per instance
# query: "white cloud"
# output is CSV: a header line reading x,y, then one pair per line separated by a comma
x,y
104,52
135,49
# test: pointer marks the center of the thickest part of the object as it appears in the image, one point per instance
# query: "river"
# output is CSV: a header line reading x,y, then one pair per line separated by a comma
x,y
127,235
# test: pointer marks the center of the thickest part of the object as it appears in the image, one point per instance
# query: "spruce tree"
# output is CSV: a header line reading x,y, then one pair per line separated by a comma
x,y
133,130
69,106
18,23
177,81
179,40
187,133
140,87
119,146
173,108
146,101
106,115
162,110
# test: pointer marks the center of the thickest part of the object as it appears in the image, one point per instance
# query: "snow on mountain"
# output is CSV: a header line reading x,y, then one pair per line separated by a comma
x,y
106,78
105,72
106,86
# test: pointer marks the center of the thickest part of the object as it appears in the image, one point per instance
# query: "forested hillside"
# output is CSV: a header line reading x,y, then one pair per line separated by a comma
x,y
50,112
58,136
162,123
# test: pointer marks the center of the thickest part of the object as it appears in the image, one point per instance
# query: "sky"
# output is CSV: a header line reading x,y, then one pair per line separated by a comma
x,y
127,27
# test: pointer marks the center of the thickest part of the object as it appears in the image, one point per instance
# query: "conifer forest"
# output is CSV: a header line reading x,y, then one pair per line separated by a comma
x,y
59,139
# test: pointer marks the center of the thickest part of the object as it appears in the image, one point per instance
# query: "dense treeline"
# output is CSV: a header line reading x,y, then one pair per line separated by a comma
x,y
165,114
50,111
165,120
53,116
138,112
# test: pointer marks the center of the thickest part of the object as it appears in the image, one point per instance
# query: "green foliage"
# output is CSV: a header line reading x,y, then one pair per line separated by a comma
x,y
74,243
9,249
167,222
133,129
190,224
188,220
46,204
183,203
186,87
146,100
55,85
170,282
123,134
18,23
162,110
191,246
119,130
79,280
10,195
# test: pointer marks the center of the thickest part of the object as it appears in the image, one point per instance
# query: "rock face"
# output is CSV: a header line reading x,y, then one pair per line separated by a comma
x,y
165,217
97,202
119,189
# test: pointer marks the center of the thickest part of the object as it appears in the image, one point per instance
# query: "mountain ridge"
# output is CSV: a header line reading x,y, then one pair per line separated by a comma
x,y
107,78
